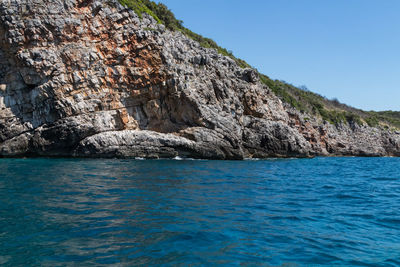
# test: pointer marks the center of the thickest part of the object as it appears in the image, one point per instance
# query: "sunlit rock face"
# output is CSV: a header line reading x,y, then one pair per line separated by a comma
x,y
92,79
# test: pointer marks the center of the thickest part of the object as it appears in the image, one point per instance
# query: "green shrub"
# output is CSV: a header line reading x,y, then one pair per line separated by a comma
x,y
140,7
354,118
372,121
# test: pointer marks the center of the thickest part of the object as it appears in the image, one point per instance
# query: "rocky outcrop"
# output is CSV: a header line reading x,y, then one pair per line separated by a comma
x,y
89,78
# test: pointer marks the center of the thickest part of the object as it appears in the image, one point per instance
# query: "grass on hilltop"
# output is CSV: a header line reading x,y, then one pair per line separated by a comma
x,y
330,110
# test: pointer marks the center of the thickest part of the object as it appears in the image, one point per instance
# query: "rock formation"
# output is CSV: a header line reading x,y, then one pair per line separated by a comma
x,y
87,78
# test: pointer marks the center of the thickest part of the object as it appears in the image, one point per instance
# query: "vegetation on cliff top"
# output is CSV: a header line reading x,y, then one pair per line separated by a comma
x,y
163,15
330,110
300,98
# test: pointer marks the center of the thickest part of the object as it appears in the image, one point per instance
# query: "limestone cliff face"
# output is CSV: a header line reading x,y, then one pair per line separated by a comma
x,y
91,79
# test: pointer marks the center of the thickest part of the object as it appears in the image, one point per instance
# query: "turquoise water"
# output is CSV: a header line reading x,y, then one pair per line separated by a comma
x,y
300,212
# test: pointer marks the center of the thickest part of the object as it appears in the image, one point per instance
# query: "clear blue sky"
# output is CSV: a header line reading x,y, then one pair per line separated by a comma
x,y
348,49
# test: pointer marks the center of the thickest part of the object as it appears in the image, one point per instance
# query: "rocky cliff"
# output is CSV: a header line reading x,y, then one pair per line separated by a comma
x,y
88,78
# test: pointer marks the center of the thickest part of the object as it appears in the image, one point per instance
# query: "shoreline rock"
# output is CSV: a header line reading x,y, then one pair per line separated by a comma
x,y
91,79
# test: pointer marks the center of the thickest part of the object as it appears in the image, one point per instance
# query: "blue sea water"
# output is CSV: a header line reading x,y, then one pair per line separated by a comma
x,y
291,212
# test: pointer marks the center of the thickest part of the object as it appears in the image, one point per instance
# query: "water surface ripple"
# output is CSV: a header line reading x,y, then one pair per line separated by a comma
x,y
293,212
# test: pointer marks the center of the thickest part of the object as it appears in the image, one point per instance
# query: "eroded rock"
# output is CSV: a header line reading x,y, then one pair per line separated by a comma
x,y
89,79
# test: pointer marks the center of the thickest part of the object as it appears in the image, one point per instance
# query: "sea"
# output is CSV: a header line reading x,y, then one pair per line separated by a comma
x,y
275,212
